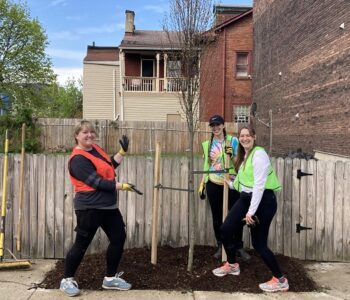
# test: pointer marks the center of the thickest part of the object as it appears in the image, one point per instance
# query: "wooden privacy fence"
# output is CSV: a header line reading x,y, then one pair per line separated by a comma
x,y
57,135
320,201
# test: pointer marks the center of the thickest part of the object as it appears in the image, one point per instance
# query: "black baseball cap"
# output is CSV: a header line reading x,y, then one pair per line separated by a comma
x,y
216,120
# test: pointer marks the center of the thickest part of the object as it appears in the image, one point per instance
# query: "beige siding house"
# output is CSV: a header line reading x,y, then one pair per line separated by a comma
x,y
101,87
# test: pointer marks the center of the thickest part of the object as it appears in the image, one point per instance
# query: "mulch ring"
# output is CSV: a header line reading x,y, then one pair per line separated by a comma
x,y
170,273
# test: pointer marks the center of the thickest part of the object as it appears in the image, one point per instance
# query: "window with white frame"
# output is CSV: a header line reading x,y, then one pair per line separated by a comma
x,y
242,65
241,114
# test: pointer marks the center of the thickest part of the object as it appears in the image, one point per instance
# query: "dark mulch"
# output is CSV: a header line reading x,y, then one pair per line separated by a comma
x,y
170,273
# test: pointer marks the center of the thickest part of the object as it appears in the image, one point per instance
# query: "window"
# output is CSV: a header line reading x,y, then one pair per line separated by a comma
x,y
242,65
241,114
174,69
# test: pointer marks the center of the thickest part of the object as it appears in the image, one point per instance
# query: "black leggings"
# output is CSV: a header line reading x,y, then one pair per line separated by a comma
x,y
233,223
88,221
215,195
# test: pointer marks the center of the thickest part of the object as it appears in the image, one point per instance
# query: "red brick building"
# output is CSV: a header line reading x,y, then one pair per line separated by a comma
x,y
226,85
302,73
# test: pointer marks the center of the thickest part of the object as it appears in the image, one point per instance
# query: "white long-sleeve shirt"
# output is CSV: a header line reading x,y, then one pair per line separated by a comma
x,y
261,164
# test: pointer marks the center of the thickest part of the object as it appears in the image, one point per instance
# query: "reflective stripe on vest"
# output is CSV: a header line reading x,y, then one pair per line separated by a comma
x,y
206,166
103,168
245,176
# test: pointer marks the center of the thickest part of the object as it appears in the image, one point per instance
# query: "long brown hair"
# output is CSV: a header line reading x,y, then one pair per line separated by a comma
x,y
211,142
240,151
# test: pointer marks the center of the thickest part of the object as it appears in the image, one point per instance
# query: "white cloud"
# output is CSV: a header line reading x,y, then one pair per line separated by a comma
x,y
59,2
66,54
63,74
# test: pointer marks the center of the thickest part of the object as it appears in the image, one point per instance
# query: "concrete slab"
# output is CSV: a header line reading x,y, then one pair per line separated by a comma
x,y
334,278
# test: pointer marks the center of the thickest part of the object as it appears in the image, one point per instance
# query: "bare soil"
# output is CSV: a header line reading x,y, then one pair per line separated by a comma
x,y
170,273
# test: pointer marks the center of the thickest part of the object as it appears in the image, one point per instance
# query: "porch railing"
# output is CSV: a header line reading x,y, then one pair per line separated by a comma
x,y
153,84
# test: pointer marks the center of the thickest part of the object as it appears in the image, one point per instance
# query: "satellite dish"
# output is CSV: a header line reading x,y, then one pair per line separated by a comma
x,y
253,109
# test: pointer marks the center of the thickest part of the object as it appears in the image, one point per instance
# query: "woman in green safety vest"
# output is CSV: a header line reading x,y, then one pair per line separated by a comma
x,y
213,183
256,181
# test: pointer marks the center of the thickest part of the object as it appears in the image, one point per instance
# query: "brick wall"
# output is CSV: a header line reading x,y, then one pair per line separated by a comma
x,y
220,90
302,72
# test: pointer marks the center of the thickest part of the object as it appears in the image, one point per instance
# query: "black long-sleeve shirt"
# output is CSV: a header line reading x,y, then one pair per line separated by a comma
x,y
104,196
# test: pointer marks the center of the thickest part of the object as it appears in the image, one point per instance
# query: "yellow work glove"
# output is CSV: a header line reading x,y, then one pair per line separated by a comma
x,y
201,190
129,187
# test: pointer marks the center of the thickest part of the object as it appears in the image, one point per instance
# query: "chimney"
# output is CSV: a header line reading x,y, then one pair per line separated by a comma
x,y
129,22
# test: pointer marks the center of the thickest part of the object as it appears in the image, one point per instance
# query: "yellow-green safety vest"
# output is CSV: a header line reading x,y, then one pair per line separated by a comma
x,y
205,146
245,176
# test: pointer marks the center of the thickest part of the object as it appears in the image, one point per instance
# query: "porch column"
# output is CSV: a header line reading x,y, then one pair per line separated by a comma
x,y
157,79
122,82
165,72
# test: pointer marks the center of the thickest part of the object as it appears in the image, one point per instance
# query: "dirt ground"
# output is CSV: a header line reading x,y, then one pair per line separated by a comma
x,y
170,273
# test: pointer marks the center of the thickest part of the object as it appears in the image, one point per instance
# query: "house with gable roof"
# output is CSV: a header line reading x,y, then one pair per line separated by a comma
x,y
138,80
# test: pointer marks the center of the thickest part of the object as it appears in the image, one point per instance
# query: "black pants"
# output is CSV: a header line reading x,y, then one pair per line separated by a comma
x,y
233,223
88,221
215,195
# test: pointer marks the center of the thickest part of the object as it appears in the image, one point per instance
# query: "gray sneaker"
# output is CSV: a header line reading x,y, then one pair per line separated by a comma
x,y
243,254
116,283
69,286
227,269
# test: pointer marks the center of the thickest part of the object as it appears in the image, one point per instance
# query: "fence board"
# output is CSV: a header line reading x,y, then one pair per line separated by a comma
x,y
338,211
329,210
68,225
280,209
50,207
346,214
287,207
32,190
295,199
302,209
184,203
131,230
308,190
59,206
320,211
13,202
25,228
166,200
175,204
140,202
41,204
148,194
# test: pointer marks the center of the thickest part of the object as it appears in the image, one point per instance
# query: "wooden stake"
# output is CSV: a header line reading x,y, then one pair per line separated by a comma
x,y
155,206
21,184
225,196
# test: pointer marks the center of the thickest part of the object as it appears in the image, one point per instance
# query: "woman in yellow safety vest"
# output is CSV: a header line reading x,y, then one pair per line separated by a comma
x,y
256,181
214,151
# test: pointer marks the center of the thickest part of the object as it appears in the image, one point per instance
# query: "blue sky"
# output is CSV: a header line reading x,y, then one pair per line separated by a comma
x,y
72,25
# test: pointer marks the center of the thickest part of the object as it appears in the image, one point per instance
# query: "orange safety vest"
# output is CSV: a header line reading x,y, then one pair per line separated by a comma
x,y
103,169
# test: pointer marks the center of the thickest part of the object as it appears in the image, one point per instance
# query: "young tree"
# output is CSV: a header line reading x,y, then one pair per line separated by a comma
x,y
64,101
185,25
24,66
